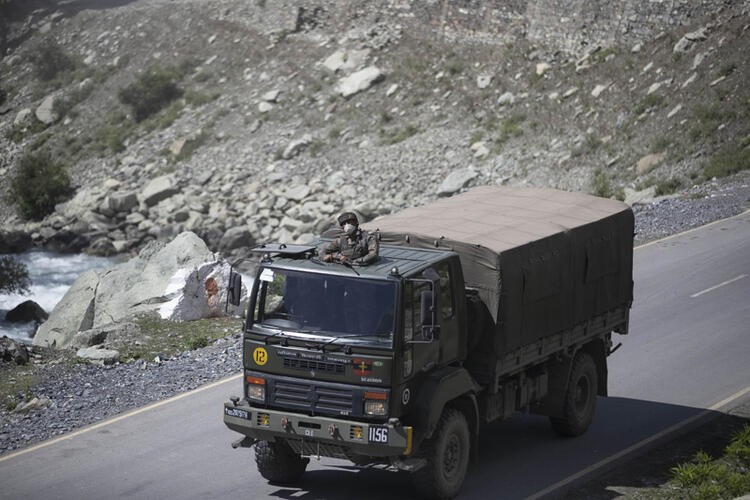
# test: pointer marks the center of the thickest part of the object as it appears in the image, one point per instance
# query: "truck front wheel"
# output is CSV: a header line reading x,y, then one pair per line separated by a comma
x,y
447,454
579,402
278,463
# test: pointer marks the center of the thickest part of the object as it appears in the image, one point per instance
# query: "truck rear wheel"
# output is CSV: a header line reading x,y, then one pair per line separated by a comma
x,y
579,402
278,463
447,454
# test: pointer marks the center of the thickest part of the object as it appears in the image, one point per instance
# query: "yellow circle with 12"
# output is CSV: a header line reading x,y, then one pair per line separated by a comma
x,y
260,356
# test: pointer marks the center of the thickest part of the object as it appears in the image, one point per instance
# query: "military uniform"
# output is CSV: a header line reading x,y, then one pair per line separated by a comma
x,y
361,248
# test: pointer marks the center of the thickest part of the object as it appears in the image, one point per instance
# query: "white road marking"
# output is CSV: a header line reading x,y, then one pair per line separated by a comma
x,y
679,425
711,289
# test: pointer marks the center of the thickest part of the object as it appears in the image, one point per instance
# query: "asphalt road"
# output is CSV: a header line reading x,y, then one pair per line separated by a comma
x,y
687,352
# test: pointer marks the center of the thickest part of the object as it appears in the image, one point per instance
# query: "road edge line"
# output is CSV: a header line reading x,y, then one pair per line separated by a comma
x,y
117,418
640,444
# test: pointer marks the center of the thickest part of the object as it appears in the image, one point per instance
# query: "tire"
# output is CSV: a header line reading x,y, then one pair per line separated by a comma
x,y
278,463
579,402
447,454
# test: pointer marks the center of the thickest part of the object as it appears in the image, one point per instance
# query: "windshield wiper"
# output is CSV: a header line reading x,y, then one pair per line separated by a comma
x,y
346,347
284,341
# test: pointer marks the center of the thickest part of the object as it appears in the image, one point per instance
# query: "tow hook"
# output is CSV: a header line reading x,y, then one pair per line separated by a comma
x,y
245,442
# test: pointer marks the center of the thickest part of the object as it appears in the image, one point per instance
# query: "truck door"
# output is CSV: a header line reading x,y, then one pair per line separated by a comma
x,y
420,351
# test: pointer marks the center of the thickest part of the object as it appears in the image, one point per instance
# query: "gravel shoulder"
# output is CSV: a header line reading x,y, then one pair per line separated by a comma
x,y
81,394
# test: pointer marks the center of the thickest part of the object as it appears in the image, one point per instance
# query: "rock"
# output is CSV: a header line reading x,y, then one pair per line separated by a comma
x,y
27,311
653,88
102,247
200,293
122,202
570,92
236,237
690,80
294,147
335,61
674,111
346,60
455,181
483,81
45,112
542,68
10,350
637,48
359,81
391,90
33,405
97,356
598,90
177,146
633,197
265,107
686,43
298,193
158,189
506,99
24,118
73,313
270,96
480,149
649,162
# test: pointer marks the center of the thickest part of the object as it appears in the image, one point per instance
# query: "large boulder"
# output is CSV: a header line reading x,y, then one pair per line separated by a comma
x,y
359,81
181,280
74,312
27,311
10,350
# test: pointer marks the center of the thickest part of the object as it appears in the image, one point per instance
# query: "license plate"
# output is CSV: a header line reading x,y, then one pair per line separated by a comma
x,y
378,434
237,412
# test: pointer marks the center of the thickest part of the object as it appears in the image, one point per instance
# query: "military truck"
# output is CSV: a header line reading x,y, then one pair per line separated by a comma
x,y
491,302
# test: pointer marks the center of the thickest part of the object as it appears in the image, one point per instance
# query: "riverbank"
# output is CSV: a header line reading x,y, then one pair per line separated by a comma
x,y
75,395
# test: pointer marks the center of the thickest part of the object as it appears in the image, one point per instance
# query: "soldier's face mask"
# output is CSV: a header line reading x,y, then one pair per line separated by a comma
x,y
349,228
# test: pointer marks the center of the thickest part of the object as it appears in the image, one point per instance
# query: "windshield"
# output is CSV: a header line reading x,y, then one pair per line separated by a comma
x,y
357,309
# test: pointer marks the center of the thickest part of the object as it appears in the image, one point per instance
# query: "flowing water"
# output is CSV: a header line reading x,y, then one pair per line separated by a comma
x,y
51,275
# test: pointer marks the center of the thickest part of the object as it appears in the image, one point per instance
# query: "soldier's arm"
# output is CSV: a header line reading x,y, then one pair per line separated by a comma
x,y
373,247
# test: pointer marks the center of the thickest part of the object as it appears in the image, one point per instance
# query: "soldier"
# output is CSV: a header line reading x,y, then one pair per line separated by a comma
x,y
354,246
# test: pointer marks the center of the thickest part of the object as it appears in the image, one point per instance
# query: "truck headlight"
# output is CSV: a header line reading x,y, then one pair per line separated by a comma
x,y
376,404
256,388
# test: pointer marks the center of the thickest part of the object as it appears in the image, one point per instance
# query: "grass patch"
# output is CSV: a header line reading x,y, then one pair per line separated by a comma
x,y
49,61
668,186
167,338
191,146
601,185
706,121
510,127
651,101
15,385
17,133
396,135
724,477
729,160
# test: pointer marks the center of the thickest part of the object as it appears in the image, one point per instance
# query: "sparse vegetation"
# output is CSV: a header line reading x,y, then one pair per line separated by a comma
x,y
708,478
50,60
668,186
510,127
707,120
601,185
729,160
154,90
649,102
398,134
588,146
167,338
39,184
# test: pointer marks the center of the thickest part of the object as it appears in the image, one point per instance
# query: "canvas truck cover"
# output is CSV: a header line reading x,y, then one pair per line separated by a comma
x,y
542,260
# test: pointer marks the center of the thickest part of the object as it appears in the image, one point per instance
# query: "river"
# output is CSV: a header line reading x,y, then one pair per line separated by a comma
x,y
51,275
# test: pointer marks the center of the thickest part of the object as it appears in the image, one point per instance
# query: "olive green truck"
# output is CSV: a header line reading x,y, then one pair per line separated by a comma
x,y
491,302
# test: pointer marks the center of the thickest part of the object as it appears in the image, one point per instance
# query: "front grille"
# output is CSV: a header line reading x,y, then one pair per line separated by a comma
x,y
316,448
311,398
317,366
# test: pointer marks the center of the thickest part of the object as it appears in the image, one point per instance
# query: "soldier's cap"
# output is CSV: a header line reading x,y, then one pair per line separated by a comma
x,y
348,217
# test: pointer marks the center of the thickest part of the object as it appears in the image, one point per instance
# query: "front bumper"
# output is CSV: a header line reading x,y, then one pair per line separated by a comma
x,y
323,436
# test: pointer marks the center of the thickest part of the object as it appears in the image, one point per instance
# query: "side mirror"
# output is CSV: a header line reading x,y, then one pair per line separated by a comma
x,y
427,315
235,288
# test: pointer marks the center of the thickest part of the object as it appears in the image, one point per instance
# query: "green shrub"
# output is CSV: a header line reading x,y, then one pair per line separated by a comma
x,y
510,127
648,102
739,448
669,186
151,92
601,185
49,60
198,342
14,276
396,135
729,160
39,184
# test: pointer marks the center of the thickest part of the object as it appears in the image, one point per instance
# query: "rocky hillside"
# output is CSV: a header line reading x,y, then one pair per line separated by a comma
x,y
275,116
